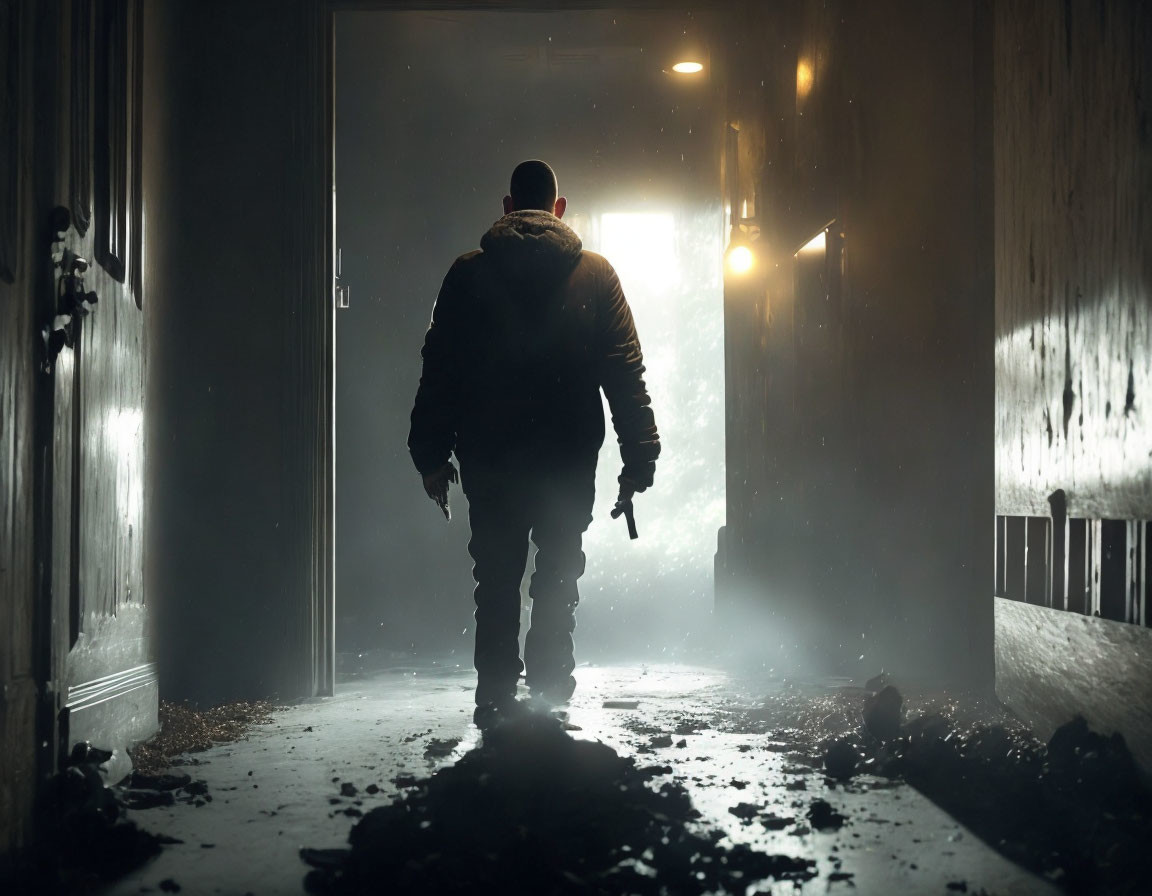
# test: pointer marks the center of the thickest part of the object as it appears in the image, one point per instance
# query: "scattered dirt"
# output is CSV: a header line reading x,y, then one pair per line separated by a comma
x,y
185,729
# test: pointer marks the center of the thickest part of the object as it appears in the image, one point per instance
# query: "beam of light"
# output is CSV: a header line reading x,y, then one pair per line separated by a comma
x,y
688,68
740,259
817,244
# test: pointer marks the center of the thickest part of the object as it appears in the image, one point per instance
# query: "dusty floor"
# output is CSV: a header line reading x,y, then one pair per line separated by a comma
x,y
280,789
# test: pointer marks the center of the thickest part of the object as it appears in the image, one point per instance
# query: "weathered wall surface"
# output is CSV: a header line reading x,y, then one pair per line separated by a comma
x,y
1073,257
1073,175
860,471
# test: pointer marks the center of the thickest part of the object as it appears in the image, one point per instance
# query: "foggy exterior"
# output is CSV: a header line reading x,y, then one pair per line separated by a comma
x,y
844,308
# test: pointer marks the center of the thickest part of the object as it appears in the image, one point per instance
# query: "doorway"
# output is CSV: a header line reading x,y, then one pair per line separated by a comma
x,y
432,112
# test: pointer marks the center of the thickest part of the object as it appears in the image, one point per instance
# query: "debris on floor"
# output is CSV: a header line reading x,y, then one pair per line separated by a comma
x,y
824,817
94,843
532,810
185,729
438,748
882,713
1073,810
144,791
841,758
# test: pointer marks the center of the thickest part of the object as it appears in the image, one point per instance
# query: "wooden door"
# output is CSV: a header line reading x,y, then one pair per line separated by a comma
x,y
106,687
75,661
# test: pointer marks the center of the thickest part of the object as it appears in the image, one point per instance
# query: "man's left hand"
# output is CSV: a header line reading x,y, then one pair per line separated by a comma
x,y
436,486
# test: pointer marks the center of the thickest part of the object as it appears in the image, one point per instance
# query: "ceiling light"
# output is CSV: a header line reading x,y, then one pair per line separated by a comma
x,y
688,68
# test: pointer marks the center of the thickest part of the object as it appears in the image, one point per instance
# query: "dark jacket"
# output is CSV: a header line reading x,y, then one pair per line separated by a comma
x,y
525,333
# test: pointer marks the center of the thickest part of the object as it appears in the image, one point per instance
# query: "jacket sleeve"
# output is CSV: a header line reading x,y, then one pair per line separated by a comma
x,y
432,437
622,379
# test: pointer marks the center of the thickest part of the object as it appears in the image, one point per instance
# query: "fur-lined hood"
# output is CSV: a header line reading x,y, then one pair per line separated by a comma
x,y
532,245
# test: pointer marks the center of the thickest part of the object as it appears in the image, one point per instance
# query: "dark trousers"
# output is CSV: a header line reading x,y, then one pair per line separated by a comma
x,y
553,508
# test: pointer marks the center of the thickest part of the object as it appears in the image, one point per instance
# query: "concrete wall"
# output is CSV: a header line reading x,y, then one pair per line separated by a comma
x,y
861,389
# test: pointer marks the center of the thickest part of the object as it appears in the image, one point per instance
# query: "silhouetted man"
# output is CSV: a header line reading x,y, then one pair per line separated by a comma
x,y
525,333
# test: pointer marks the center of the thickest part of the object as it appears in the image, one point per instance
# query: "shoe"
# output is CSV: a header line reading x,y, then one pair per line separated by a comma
x,y
487,716
555,694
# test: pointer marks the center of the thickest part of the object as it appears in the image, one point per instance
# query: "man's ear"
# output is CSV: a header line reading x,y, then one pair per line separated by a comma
x,y
508,209
561,204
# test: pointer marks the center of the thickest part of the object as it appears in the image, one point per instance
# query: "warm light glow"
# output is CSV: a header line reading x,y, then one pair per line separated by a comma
x,y
688,68
816,244
803,79
740,259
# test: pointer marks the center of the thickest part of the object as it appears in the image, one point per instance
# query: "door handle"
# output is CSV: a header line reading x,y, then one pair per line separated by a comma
x,y
342,291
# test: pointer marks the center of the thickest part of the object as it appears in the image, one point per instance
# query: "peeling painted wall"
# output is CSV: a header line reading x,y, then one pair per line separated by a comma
x,y
1073,176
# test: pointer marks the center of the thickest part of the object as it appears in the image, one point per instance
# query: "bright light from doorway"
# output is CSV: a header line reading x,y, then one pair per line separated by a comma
x,y
671,268
642,248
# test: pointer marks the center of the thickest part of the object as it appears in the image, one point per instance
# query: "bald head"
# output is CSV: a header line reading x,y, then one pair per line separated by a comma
x,y
534,187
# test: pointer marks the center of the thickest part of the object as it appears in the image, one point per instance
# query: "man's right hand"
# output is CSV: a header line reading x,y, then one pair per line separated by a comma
x,y
436,486
628,488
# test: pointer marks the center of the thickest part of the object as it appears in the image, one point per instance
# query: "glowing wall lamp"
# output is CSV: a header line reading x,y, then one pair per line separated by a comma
x,y
688,67
740,256
804,79
740,259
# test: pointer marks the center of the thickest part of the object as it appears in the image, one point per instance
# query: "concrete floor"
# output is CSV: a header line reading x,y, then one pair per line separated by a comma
x,y
278,790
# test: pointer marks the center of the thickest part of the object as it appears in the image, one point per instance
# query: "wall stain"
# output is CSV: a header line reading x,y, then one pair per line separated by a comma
x,y
1069,395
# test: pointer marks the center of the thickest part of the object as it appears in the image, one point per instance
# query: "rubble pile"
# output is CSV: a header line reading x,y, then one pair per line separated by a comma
x,y
532,810
94,843
1074,810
